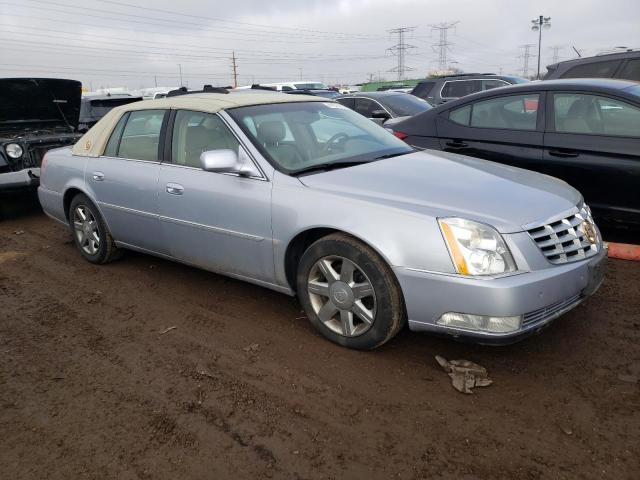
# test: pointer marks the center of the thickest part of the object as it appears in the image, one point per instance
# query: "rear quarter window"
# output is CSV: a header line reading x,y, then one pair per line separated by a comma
x,y
604,69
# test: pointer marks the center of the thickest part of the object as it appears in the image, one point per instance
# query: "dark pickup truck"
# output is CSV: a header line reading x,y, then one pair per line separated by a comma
x,y
36,115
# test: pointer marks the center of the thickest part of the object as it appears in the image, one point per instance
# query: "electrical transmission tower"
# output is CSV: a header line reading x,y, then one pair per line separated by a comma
x,y
400,49
526,56
556,53
443,45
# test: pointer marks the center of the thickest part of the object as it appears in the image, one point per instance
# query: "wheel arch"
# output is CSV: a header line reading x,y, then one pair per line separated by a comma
x,y
302,240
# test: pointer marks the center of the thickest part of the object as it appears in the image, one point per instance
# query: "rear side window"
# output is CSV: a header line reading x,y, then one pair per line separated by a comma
x,y
517,112
112,145
461,115
423,89
141,135
489,84
460,88
631,70
366,107
595,115
604,69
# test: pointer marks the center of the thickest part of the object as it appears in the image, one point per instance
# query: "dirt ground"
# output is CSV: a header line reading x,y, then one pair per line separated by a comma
x,y
243,387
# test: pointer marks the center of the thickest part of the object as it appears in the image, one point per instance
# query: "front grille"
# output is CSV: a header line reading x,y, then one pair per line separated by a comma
x,y
565,240
545,313
34,159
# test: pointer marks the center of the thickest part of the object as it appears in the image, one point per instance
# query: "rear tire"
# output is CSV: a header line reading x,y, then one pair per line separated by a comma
x,y
349,293
90,233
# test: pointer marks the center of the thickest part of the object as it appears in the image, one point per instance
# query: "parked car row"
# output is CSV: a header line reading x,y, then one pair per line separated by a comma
x,y
583,131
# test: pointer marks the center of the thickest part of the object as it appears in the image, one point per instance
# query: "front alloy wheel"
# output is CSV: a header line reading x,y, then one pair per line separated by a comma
x,y
342,296
349,292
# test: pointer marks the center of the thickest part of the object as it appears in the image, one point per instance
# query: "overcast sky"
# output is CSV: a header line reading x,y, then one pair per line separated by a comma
x,y
138,43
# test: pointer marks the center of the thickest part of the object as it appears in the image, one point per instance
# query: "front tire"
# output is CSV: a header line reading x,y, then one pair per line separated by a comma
x,y
349,293
90,233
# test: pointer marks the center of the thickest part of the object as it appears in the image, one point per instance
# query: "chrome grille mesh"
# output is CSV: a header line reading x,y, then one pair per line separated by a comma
x,y
565,240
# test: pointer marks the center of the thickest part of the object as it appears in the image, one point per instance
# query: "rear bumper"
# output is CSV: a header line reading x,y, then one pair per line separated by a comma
x,y
22,179
539,297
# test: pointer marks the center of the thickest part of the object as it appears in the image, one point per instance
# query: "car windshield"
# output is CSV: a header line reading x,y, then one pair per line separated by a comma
x,y
405,104
300,136
516,80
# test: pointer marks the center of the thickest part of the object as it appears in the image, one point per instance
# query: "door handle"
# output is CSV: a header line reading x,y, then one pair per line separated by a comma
x,y
456,144
98,176
563,153
175,189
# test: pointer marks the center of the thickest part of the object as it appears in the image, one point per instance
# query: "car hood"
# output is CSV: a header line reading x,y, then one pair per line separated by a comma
x,y
35,103
441,184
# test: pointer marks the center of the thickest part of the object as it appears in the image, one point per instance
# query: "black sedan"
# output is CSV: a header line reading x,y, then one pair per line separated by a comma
x,y
381,106
584,131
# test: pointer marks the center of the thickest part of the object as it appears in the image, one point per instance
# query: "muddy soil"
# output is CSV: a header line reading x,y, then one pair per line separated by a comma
x,y
244,388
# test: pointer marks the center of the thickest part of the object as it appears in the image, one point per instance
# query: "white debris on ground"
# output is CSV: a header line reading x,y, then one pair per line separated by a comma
x,y
465,374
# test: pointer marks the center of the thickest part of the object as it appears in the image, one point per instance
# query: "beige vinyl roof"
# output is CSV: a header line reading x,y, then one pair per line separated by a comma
x,y
93,143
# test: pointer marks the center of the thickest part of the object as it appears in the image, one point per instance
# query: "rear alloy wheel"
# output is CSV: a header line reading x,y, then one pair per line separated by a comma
x,y
349,293
90,233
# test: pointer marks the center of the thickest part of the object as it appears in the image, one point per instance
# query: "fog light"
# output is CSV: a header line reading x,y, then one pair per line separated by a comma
x,y
480,323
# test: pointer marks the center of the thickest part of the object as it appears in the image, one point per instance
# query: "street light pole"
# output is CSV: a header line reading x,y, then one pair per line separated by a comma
x,y
538,24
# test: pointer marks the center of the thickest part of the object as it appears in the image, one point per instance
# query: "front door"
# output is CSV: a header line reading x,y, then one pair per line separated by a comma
x,y
124,181
593,143
217,221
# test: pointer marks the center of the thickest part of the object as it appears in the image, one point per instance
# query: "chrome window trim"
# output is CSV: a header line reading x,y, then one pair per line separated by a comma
x,y
156,162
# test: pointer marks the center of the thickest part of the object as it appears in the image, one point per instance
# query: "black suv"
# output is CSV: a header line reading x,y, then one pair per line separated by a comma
x,y
437,90
622,65
36,115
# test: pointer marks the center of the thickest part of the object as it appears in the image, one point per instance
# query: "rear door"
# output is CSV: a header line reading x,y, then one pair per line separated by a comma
x,y
593,143
218,221
124,180
506,129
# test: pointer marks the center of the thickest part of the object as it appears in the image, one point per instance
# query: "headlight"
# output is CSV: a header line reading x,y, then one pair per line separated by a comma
x,y
14,150
475,248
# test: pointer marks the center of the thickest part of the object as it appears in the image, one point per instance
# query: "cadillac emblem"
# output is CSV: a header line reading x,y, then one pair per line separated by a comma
x,y
589,230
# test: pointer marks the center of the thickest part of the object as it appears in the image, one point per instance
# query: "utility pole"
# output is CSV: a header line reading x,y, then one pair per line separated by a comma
x,y
443,45
400,49
556,53
234,66
180,68
538,24
526,56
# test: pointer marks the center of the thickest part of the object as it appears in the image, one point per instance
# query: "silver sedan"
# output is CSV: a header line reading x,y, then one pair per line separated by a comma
x,y
306,197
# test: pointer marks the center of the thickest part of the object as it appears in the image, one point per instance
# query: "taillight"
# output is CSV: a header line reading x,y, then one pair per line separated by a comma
x,y
400,135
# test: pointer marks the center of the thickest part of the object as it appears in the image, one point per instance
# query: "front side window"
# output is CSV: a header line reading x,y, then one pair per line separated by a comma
x,y
301,135
197,132
595,115
141,135
514,112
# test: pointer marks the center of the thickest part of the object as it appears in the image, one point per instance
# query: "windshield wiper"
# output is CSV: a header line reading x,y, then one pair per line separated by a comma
x,y
391,155
328,166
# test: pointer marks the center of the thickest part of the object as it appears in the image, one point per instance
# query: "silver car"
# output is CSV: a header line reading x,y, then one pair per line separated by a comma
x,y
304,196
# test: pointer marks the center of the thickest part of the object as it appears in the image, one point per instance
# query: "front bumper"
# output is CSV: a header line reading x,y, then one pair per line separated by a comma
x,y
539,296
22,179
